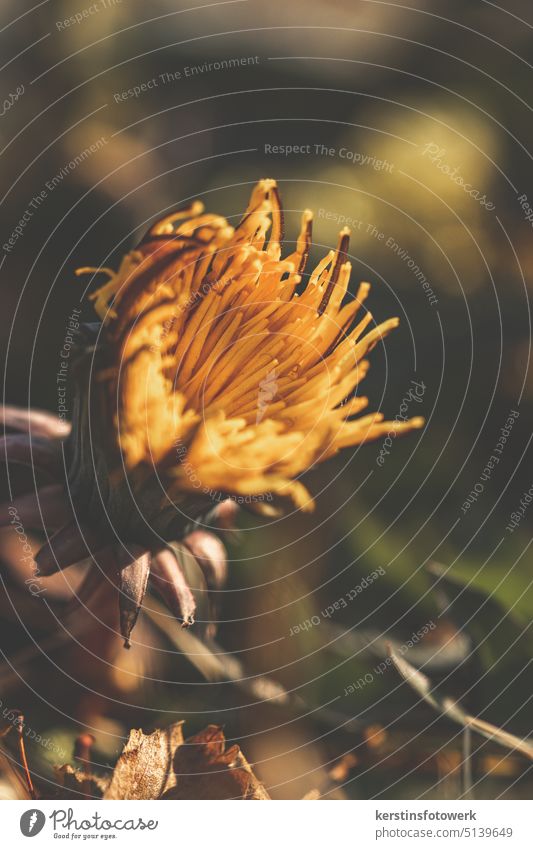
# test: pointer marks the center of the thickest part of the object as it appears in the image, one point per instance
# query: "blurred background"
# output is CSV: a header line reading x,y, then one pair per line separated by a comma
x,y
410,123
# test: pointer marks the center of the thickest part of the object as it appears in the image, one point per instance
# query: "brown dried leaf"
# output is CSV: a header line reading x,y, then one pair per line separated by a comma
x,y
133,580
205,769
144,769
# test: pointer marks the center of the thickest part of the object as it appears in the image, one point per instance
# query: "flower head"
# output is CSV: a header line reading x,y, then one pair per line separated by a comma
x,y
220,373
229,369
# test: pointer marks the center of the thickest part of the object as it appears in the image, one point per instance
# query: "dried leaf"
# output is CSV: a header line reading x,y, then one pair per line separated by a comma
x,y
205,769
133,580
144,769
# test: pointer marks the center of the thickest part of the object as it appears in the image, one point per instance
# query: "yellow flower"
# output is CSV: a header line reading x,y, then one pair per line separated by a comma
x,y
229,369
220,373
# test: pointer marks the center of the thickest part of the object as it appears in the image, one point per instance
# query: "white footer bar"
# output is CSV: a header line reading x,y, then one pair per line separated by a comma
x,y
260,825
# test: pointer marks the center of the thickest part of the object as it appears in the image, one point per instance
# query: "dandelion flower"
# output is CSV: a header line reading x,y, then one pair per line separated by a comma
x,y
219,370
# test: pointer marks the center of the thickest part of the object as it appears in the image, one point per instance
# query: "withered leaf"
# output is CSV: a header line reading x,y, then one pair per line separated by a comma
x,y
205,769
133,580
144,769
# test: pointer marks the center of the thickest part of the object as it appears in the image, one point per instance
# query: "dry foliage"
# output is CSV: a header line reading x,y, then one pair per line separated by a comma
x,y
163,765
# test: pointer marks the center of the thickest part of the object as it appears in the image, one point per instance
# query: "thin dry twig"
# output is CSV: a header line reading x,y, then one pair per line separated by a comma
x,y
454,711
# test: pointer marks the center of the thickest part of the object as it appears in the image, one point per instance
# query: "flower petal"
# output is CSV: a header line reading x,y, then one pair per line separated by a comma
x,y
37,422
66,547
133,580
168,578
